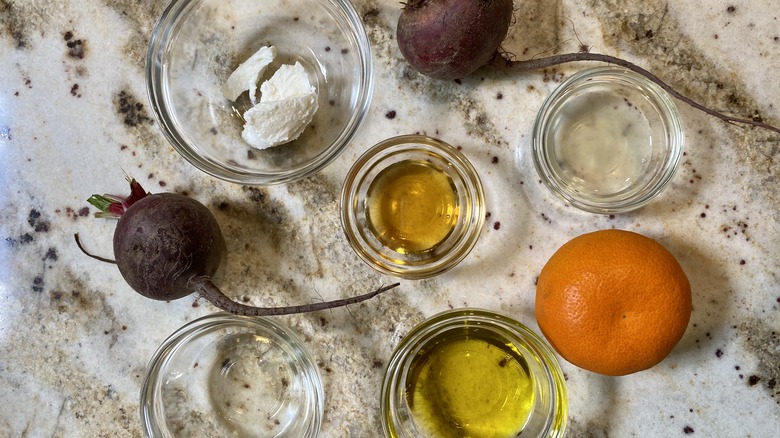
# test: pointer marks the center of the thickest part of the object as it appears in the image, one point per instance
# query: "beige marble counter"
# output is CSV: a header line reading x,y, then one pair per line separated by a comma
x,y
74,118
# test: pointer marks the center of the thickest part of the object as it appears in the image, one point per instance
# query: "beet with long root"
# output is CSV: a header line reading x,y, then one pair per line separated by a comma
x,y
168,246
450,39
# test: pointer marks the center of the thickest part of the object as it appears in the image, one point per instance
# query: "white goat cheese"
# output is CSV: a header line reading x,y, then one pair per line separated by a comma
x,y
287,105
246,75
288,81
287,100
278,121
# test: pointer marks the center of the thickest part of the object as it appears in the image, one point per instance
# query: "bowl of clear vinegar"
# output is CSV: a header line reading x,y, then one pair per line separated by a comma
x,y
473,373
412,207
607,140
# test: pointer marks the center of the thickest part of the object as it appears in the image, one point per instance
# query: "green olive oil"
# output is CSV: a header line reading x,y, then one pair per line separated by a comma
x,y
470,387
412,206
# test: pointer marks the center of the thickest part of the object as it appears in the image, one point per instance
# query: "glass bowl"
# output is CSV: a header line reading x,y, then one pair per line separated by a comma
x,y
196,45
607,140
412,207
475,373
226,375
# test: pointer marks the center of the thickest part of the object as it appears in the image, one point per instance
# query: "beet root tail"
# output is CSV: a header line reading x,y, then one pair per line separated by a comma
x,y
204,286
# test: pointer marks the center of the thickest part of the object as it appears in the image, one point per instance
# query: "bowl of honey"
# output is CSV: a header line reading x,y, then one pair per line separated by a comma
x,y
412,207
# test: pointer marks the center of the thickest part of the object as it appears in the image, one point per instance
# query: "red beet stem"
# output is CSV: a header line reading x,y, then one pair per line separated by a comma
x,y
502,63
204,286
113,206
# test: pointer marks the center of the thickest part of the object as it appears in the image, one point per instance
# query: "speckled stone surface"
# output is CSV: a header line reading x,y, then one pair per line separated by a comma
x,y
75,340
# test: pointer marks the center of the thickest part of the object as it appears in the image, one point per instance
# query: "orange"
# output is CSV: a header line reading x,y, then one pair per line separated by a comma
x,y
613,302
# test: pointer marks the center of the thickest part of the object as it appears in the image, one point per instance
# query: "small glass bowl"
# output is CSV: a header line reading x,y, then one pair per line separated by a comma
x,y
195,46
412,207
607,140
227,375
472,372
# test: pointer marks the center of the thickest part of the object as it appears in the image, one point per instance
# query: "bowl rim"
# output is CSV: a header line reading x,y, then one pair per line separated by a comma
x,y
149,409
551,381
157,89
672,127
472,220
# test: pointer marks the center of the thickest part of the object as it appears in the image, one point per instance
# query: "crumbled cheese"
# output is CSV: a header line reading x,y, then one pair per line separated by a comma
x,y
289,80
287,100
246,75
278,121
287,105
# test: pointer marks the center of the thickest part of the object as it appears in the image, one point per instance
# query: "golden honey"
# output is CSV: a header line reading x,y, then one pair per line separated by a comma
x,y
412,206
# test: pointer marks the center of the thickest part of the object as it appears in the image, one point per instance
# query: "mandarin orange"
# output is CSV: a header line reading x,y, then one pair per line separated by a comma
x,y
613,302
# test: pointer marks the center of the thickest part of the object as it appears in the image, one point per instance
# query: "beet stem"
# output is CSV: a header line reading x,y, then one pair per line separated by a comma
x,y
114,206
204,286
81,247
500,62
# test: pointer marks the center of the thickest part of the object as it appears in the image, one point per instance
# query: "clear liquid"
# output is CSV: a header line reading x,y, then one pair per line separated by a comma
x,y
241,385
603,143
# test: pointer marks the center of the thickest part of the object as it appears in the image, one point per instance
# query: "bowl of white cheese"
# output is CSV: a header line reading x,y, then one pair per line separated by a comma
x,y
259,92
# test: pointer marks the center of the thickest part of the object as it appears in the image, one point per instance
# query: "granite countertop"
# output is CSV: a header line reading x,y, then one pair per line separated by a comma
x,y
74,120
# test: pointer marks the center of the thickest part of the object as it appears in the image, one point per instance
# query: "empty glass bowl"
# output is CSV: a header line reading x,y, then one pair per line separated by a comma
x,y
412,207
472,372
226,375
195,46
607,140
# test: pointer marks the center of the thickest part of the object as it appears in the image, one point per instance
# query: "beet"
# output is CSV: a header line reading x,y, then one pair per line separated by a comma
x,y
450,39
168,246
164,240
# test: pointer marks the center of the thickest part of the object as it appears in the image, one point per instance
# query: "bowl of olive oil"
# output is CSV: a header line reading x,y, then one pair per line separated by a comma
x,y
412,206
473,373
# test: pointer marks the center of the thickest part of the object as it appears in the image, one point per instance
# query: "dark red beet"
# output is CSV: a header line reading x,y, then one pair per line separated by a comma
x,y
450,39
168,246
164,240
